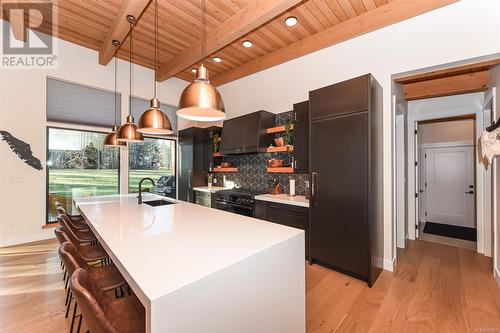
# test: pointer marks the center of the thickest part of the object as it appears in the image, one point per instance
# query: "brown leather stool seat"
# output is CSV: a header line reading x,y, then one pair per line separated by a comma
x,y
89,253
79,236
107,277
101,313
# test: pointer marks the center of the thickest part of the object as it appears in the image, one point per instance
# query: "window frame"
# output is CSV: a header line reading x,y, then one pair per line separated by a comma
x,y
71,127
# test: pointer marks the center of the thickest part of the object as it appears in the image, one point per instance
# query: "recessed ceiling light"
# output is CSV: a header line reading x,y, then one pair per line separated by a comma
x,y
247,43
193,70
291,21
217,59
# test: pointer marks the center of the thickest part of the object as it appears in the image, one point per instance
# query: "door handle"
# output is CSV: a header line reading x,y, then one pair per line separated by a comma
x,y
314,177
470,192
189,178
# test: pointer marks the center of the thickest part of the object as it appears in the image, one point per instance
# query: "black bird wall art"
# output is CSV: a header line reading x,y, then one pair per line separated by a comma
x,y
21,149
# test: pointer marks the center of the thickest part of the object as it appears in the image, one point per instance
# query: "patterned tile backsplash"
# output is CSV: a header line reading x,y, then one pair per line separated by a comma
x,y
252,173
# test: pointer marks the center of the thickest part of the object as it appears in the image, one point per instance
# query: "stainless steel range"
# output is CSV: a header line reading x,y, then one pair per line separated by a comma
x,y
237,200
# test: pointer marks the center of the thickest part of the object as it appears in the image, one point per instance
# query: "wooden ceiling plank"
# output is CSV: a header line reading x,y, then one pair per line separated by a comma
x,y
380,17
369,4
338,10
120,27
240,24
329,14
380,2
358,6
455,70
348,8
452,85
316,18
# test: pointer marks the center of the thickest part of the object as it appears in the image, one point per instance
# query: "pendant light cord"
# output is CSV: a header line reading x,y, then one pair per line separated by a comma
x,y
202,31
116,50
156,44
130,69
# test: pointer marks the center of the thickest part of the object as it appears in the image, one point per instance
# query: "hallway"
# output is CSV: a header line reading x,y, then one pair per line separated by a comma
x,y
435,288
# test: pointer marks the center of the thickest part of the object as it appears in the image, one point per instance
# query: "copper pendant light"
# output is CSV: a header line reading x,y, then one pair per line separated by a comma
x,y
201,101
128,131
110,140
153,120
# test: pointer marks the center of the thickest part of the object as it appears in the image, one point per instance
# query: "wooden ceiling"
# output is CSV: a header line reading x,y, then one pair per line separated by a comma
x,y
93,23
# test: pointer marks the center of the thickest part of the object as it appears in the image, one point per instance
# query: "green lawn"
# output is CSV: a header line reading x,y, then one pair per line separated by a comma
x,y
84,182
97,182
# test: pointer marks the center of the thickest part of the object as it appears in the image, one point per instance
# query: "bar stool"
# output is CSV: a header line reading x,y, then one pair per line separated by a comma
x,y
106,278
102,313
81,237
90,253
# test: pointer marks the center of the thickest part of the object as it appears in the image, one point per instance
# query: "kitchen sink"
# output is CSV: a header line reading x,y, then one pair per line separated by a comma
x,y
156,203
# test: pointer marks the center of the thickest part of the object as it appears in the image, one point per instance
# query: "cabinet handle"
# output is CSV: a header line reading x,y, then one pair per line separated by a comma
x,y
295,163
272,206
189,178
296,210
295,116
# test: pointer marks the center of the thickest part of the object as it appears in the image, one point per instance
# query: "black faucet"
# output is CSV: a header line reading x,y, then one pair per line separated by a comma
x,y
139,197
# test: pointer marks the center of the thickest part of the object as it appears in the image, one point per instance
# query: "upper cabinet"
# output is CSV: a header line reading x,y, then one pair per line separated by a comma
x,y
301,137
247,134
346,97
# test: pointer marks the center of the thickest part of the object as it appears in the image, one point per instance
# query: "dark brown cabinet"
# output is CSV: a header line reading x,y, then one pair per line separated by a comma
x,y
301,137
289,215
195,156
247,134
345,165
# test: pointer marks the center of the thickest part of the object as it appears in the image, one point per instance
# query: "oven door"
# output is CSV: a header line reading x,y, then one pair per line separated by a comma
x,y
234,208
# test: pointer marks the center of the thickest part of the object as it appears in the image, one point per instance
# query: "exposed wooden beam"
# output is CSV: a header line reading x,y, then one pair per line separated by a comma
x,y
456,70
393,12
446,86
256,13
120,28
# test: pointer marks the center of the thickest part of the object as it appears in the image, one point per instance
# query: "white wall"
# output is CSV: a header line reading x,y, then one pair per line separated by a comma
x,y
22,112
447,131
463,30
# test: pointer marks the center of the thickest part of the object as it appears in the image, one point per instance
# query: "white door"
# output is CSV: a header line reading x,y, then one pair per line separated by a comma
x,y
450,186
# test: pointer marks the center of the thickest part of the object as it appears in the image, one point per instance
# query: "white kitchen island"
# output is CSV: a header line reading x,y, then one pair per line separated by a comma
x,y
197,269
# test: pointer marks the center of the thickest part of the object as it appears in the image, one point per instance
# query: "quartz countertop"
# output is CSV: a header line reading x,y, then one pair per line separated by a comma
x,y
297,200
168,247
212,189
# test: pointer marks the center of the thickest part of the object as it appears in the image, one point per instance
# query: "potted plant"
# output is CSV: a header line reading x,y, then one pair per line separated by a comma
x,y
216,142
287,134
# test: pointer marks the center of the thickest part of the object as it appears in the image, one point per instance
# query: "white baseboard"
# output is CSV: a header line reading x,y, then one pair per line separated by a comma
x,y
44,235
389,265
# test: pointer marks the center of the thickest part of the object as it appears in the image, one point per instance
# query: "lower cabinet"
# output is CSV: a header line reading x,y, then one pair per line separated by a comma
x,y
203,198
289,215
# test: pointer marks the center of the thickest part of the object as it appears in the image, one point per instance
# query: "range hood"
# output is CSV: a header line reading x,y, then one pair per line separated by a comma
x,y
247,134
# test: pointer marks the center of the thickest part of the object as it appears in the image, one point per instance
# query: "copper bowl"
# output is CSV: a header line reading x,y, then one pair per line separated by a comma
x,y
275,163
279,142
225,165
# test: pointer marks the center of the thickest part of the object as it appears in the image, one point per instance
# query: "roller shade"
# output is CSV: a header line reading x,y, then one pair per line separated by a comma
x,y
140,105
77,104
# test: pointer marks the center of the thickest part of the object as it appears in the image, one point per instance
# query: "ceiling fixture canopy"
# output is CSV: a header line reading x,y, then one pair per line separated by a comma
x,y
201,101
153,120
110,139
128,131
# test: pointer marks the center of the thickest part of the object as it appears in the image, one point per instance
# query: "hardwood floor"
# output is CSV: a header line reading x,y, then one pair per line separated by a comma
x,y
435,288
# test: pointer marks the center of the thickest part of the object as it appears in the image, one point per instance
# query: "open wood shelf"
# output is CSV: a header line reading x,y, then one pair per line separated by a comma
x,y
281,169
225,169
218,155
281,149
277,129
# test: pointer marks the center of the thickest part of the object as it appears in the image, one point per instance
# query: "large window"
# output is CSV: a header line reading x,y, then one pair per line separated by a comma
x,y
154,158
79,165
